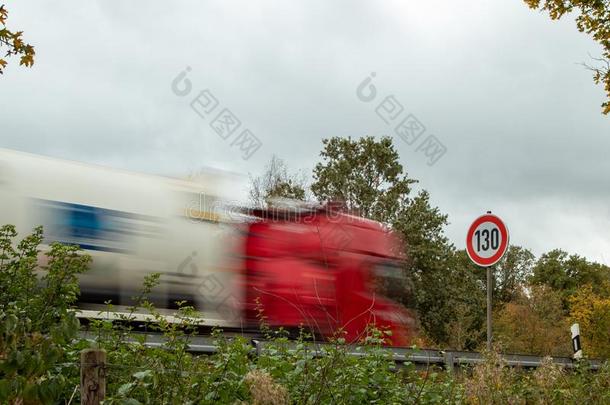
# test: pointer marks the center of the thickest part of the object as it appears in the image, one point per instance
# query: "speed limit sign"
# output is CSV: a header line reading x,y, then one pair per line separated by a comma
x,y
487,240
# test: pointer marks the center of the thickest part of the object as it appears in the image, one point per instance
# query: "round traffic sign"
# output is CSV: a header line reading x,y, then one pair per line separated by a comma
x,y
487,240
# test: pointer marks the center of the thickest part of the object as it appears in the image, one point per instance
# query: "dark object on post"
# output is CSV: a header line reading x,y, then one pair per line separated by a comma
x,y
575,329
92,376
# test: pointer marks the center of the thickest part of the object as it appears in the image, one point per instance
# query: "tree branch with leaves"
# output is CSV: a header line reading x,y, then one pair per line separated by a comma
x,y
13,41
594,19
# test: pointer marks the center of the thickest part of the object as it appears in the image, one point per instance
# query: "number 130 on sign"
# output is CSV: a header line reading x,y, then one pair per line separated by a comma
x,y
487,240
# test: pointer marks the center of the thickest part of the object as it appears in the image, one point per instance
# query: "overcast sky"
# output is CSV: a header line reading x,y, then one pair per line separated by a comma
x,y
499,85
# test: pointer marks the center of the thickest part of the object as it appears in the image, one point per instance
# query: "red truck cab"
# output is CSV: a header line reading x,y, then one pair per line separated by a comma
x,y
323,270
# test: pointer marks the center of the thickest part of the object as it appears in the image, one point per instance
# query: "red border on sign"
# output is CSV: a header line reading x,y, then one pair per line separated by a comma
x,y
489,261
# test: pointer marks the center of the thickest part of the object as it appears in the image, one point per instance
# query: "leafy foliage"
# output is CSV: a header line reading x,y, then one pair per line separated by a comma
x,y
451,302
451,292
511,273
492,382
37,328
593,19
365,175
592,312
534,323
13,40
284,371
567,273
39,352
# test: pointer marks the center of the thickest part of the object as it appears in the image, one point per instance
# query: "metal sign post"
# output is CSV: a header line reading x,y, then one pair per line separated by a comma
x,y
489,292
486,243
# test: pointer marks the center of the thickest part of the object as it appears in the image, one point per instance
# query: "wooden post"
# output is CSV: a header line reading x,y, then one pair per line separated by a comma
x,y
92,376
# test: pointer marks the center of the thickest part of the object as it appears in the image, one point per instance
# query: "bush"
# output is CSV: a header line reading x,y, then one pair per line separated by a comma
x,y
284,371
40,346
37,328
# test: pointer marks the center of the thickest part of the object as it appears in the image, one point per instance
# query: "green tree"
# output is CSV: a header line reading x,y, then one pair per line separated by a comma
x,y
567,273
533,323
455,303
551,270
365,174
13,40
511,273
593,19
276,182
592,312
422,227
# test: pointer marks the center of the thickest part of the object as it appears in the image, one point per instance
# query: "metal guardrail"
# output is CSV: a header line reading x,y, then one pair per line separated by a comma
x,y
198,344
449,359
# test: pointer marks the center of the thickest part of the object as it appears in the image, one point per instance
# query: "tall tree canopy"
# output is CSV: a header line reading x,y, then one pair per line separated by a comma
x,y
13,41
365,174
594,19
567,273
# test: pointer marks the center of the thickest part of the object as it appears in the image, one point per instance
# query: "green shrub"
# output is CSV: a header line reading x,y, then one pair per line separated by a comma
x,y
40,349
37,328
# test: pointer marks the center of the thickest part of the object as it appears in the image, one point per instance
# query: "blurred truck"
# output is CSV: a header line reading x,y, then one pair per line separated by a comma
x,y
300,266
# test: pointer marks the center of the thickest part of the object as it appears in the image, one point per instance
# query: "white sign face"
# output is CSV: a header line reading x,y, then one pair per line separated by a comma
x,y
487,240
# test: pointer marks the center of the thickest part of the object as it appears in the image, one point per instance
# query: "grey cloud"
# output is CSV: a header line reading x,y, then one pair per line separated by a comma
x,y
497,83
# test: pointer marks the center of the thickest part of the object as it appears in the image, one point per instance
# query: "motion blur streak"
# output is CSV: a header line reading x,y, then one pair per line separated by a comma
x,y
303,265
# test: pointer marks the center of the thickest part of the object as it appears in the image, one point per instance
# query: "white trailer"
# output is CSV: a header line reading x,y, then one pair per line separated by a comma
x,y
132,225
